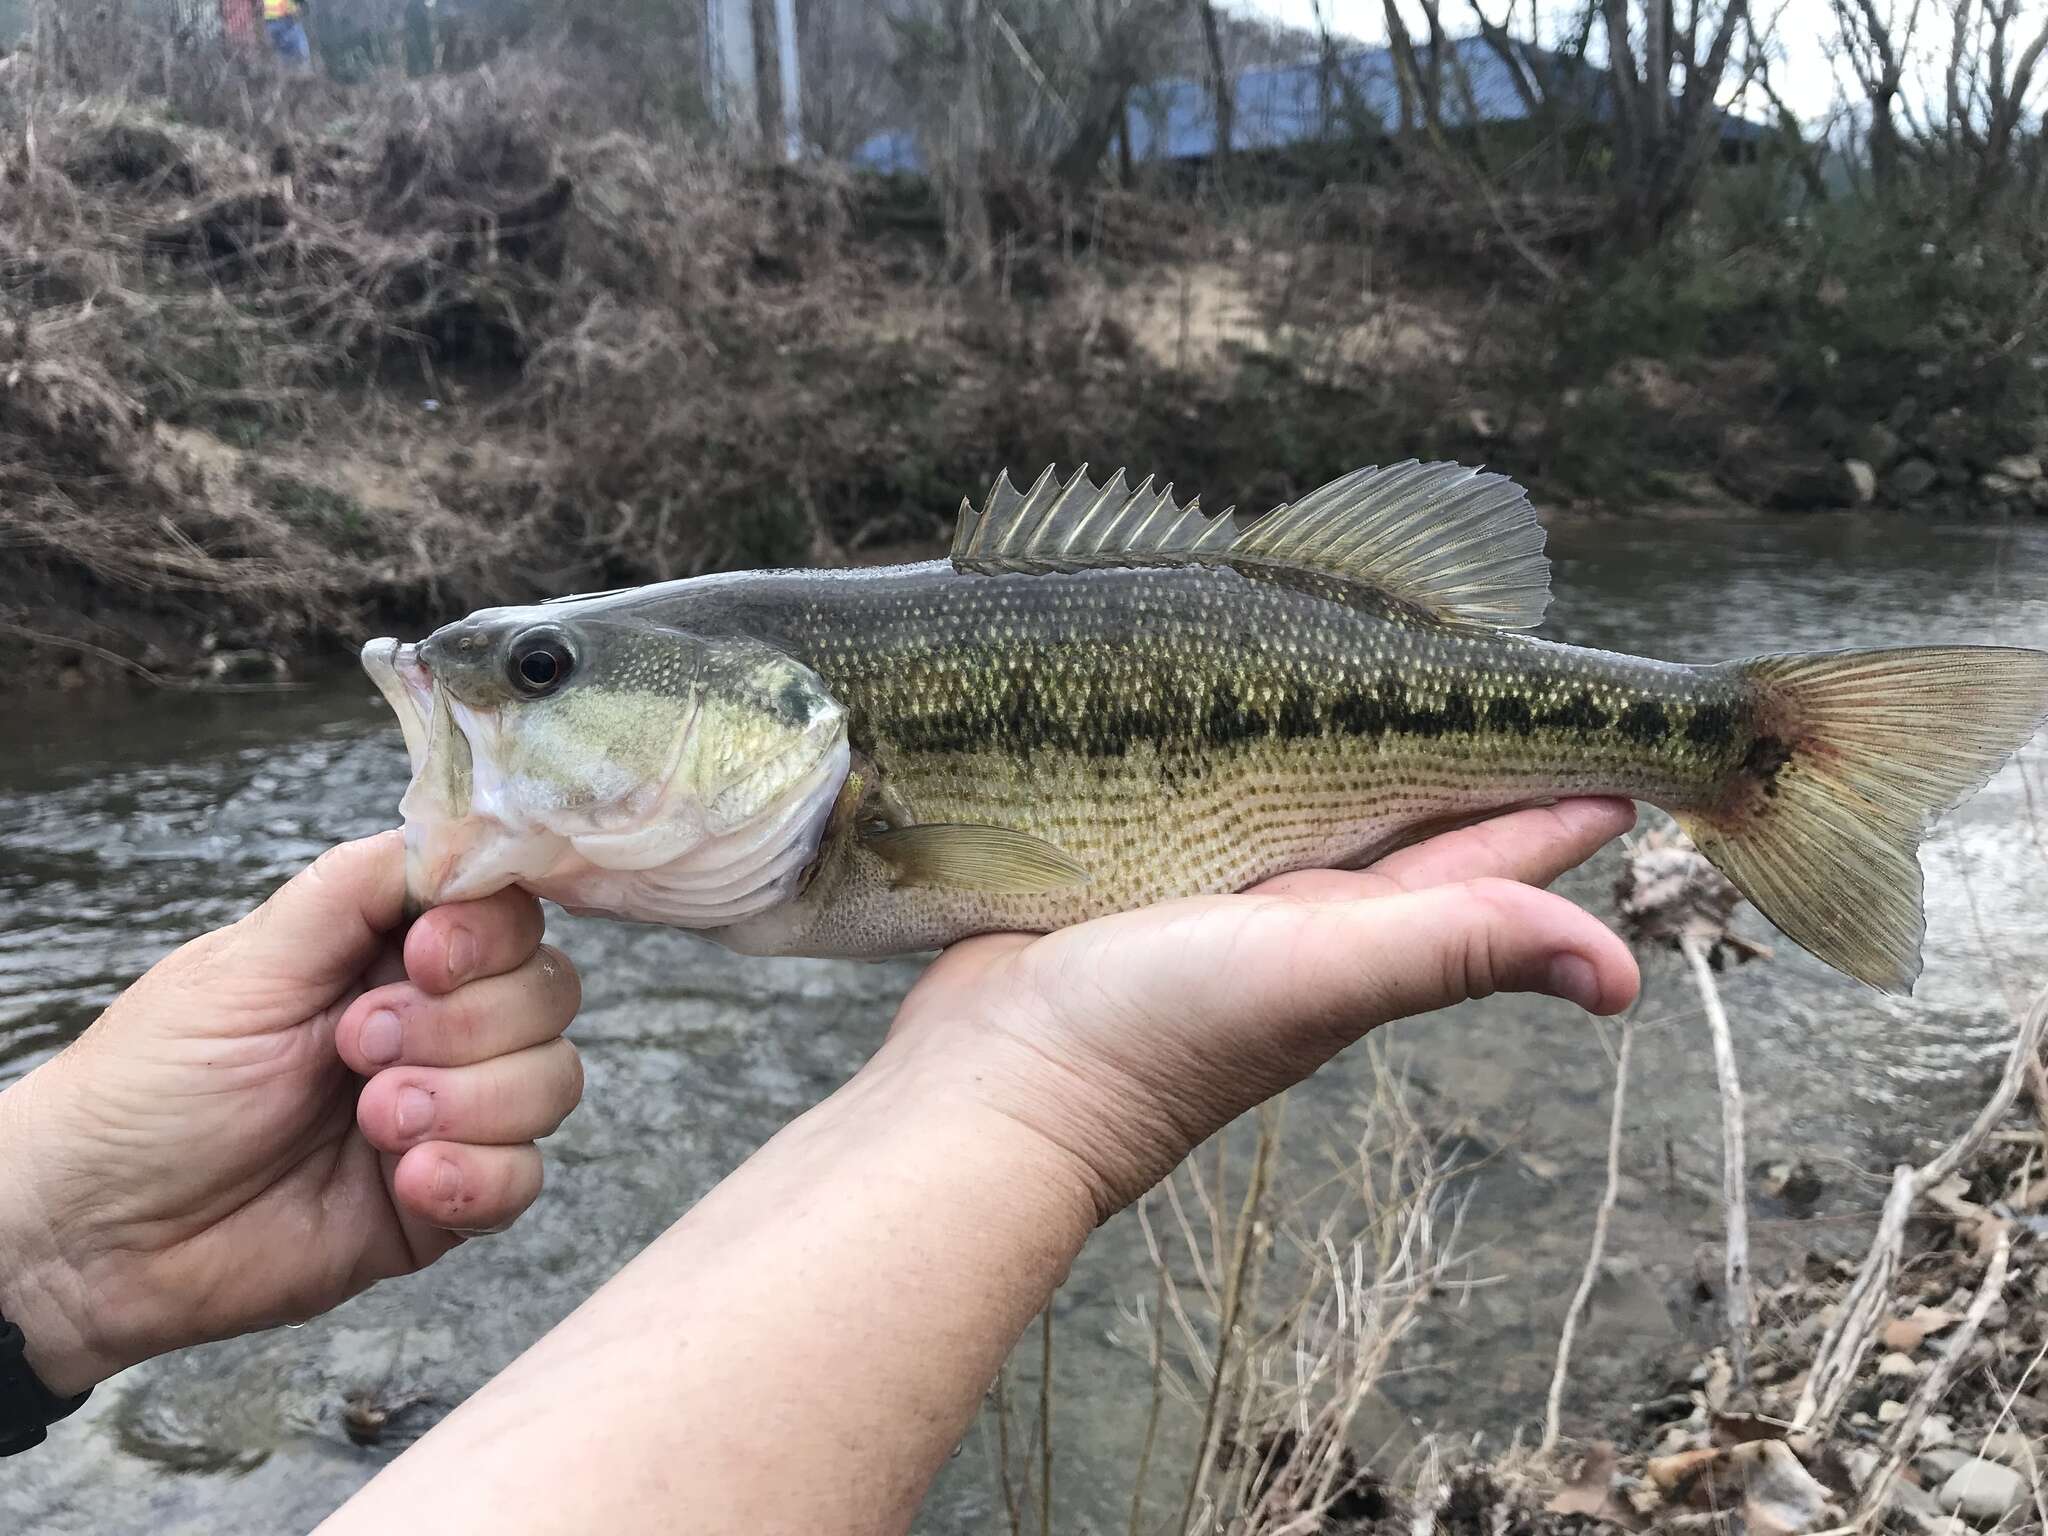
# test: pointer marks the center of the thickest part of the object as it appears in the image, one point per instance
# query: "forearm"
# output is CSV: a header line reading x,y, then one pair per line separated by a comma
x,y
800,1353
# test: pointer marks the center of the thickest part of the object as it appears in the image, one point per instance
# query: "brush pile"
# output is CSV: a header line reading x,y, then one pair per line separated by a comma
x,y
338,359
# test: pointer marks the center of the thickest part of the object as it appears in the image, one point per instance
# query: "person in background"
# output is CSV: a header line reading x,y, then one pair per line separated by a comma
x,y
281,21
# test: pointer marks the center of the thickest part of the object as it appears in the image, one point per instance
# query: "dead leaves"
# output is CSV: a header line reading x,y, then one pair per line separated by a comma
x,y
1763,1478
1591,1490
1903,1335
1667,891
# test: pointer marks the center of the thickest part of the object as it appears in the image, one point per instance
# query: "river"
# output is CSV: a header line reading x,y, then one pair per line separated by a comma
x,y
131,821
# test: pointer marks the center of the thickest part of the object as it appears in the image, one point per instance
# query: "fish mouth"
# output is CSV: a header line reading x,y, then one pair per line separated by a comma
x,y
395,667
452,851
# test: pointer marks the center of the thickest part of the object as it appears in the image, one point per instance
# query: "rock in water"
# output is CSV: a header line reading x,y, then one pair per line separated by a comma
x,y
1915,477
1862,481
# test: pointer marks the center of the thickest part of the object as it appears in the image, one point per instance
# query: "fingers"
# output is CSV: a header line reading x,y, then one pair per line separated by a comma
x,y
1534,846
467,939
405,1023
324,924
457,1188
500,1102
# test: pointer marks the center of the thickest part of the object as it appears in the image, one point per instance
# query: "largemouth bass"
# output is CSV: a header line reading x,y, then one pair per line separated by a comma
x,y
1105,698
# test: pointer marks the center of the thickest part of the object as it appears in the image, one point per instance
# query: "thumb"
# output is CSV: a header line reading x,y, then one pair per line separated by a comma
x,y
325,923
1220,1006
1351,966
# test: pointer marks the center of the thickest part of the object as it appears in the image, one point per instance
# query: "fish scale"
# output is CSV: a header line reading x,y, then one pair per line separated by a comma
x,y
1182,731
1104,698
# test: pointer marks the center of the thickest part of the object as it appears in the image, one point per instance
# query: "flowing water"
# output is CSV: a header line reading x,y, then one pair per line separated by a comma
x,y
128,822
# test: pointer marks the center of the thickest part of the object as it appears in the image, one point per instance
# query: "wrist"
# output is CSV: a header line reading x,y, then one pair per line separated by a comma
x,y
1053,1130
44,1290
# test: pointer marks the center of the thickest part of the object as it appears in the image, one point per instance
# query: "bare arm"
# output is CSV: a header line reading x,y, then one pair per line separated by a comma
x,y
803,1349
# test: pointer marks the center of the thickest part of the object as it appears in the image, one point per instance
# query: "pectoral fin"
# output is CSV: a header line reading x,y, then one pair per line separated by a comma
x,y
993,860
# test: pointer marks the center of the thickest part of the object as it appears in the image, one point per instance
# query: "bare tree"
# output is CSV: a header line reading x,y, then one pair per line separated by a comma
x,y
1222,89
1125,47
1987,90
967,225
1662,140
1875,40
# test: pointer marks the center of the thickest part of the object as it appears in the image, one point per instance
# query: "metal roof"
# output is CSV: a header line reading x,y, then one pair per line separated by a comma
x,y
1307,103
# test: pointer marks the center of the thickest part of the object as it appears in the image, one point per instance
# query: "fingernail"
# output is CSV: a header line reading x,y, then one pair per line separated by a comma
x,y
381,1038
414,1111
447,1181
1574,979
461,954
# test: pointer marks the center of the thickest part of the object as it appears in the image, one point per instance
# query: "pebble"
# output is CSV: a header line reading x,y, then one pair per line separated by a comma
x,y
1941,1464
1896,1364
2010,1447
1983,1490
1890,1411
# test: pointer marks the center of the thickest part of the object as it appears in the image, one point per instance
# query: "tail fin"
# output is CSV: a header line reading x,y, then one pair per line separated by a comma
x,y
1859,752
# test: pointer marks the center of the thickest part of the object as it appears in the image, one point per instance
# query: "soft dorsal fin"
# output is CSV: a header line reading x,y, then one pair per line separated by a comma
x,y
1459,544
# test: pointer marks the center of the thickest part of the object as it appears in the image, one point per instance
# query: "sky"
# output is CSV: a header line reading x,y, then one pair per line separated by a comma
x,y
1801,72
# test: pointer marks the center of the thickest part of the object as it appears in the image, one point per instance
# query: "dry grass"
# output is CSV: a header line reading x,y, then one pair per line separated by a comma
x,y
662,360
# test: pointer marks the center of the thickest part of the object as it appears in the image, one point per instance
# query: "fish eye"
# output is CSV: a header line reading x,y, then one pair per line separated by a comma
x,y
540,663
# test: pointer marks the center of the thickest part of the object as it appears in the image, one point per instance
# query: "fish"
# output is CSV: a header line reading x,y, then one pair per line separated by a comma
x,y
1102,698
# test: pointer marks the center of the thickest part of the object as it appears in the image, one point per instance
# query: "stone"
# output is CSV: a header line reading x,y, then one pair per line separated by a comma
x,y
1896,1364
1935,1430
2019,466
1912,478
1890,1411
1879,446
1829,427
1862,481
1903,410
2010,1447
2037,493
1983,1490
1999,487
1942,1463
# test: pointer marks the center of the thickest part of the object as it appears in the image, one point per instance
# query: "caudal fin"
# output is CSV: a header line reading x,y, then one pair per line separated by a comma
x,y
1857,753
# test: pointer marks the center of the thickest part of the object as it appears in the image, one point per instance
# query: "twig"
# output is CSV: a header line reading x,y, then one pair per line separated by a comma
x,y
1158,1399
1552,1416
1008,1488
1431,1492
1906,1433
1233,1300
1045,1420
1849,1337
1734,1189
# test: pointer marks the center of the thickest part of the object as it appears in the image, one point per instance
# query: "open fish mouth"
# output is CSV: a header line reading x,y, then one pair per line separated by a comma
x,y
452,853
395,667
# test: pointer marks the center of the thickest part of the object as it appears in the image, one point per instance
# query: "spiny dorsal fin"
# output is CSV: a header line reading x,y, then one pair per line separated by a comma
x,y
1460,544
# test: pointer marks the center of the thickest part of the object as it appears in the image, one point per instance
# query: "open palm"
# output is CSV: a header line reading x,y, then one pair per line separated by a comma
x,y
1129,1039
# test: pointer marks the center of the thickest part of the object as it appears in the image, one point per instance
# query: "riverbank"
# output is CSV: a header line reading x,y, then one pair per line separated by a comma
x,y
295,362
1901,1393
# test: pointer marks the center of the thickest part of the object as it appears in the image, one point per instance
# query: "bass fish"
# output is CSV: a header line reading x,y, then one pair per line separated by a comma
x,y
1105,698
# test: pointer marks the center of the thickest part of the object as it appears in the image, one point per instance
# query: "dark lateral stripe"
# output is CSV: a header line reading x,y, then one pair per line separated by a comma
x,y
1022,717
1645,723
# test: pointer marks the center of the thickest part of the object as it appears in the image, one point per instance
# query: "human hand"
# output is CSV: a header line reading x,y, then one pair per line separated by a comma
x,y
1124,1042
207,1158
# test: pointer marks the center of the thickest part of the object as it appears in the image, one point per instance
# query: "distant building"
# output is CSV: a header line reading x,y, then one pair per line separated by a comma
x,y
1291,106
